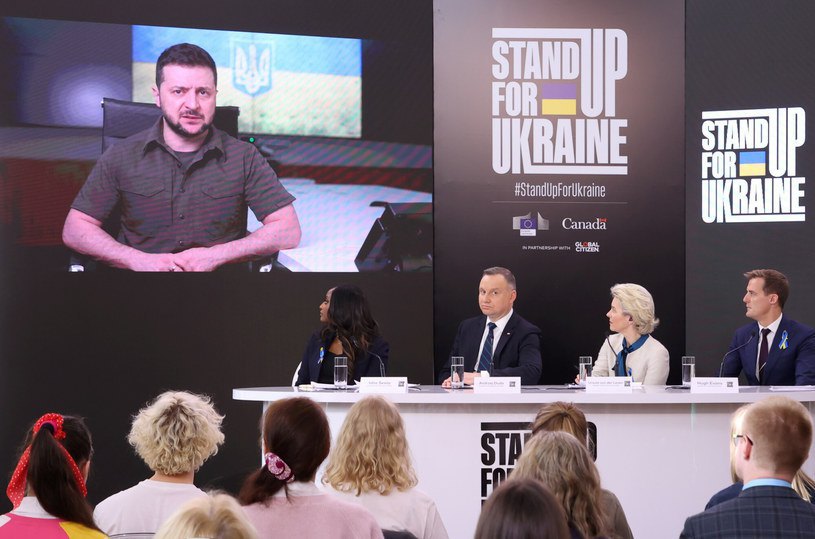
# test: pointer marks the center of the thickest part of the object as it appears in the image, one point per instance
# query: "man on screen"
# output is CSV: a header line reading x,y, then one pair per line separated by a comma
x,y
182,186
773,444
500,342
773,350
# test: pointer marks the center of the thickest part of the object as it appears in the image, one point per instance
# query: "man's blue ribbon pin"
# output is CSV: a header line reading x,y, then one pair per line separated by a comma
x,y
784,338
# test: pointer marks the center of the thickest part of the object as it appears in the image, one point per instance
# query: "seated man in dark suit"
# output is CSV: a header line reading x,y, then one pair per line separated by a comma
x,y
500,342
773,350
773,444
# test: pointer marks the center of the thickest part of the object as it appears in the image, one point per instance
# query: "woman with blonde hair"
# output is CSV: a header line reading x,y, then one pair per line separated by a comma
x,y
370,466
631,350
566,417
174,435
802,484
564,465
216,516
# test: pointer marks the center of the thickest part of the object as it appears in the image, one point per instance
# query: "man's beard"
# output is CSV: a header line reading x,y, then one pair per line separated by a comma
x,y
181,131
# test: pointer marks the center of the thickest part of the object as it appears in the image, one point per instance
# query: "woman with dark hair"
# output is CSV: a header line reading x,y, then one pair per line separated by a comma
x,y
47,487
281,499
522,509
348,330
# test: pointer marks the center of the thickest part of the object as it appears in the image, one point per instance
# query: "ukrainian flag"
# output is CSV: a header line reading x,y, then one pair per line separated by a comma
x,y
752,164
559,99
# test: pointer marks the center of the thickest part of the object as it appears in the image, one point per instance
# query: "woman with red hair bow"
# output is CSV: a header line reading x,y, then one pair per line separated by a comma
x,y
47,487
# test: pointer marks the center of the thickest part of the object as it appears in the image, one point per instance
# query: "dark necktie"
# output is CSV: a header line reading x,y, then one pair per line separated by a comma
x,y
485,362
763,352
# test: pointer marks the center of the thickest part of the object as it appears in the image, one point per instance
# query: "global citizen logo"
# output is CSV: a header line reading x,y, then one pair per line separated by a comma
x,y
587,247
749,172
554,95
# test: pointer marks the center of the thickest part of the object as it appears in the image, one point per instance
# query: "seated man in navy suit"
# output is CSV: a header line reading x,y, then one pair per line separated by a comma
x,y
774,443
500,342
773,350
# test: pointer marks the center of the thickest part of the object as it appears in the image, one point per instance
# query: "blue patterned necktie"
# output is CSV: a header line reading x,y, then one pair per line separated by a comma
x,y
485,362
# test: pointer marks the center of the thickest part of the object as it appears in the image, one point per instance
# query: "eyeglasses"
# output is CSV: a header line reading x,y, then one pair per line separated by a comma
x,y
736,439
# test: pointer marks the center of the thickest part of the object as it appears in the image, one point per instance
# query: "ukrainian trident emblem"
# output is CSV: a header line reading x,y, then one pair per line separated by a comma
x,y
252,66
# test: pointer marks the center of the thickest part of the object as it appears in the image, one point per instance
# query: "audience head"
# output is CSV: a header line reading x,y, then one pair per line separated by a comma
x,y
775,439
371,453
177,432
772,282
522,509
184,54
561,416
564,465
636,302
736,421
53,466
296,440
217,516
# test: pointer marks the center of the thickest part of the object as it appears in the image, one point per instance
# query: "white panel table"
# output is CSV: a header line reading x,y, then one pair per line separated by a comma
x,y
663,452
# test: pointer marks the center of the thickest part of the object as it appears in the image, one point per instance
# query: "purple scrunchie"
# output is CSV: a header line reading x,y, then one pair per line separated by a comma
x,y
278,468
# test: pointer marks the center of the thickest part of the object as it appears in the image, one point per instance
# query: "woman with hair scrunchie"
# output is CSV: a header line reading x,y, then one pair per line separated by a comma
x,y
47,487
280,499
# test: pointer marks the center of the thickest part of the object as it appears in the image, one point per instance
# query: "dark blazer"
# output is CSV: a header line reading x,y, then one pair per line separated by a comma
x,y
366,364
761,512
794,365
518,352
734,490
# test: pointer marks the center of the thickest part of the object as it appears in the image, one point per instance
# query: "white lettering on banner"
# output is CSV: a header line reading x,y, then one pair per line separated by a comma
x,y
543,80
749,165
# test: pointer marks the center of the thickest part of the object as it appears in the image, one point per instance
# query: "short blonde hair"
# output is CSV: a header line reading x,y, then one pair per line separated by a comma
x,y
801,483
564,465
372,452
217,516
177,432
636,302
781,431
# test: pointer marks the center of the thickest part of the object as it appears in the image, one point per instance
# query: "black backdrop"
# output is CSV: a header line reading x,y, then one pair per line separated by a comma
x,y
564,292
100,345
745,55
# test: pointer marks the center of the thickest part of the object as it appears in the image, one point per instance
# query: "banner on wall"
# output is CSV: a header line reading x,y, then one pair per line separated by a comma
x,y
749,161
558,154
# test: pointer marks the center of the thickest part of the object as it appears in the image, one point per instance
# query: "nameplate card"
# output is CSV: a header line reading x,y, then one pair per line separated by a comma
x,y
497,384
712,384
609,384
387,384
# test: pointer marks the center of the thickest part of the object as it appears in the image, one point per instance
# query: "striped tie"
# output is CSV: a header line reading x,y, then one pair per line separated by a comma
x,y
485,363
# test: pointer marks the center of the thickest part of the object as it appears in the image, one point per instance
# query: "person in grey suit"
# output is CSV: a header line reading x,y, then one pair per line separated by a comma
x,y
773,444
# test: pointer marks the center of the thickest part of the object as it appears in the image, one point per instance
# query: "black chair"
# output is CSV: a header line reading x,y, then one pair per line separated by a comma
x,y
121,119
124,118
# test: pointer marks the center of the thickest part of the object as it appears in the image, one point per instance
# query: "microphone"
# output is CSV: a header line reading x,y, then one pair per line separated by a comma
x,y
721,367
381,364
377,356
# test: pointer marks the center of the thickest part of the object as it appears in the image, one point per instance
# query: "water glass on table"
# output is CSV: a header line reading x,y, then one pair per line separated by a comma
x,y
341,372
